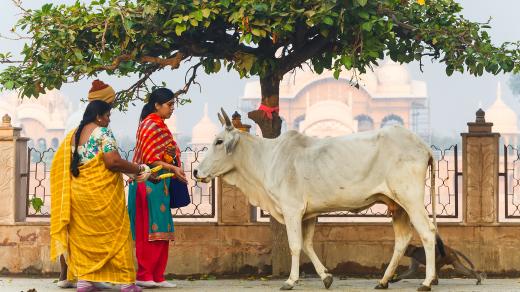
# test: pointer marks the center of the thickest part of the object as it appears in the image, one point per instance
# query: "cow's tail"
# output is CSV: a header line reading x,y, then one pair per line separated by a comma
x,y
433,197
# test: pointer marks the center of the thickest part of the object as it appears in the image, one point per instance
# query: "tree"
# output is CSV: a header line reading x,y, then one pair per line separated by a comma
x,y
253,37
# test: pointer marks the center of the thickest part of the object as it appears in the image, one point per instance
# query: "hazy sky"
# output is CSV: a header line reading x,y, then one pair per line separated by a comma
x,y
454,99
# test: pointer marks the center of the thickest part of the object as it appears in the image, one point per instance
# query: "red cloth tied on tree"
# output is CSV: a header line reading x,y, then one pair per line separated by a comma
x,y
153,138
269,110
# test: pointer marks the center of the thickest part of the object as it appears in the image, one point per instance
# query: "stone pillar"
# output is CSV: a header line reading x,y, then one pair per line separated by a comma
x,y
233,206
13,162
480,160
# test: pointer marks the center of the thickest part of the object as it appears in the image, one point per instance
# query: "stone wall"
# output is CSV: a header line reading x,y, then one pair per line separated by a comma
x,y
236,245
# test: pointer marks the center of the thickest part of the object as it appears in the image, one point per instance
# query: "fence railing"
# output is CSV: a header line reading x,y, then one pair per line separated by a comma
x,y
448,182
203,196
509,182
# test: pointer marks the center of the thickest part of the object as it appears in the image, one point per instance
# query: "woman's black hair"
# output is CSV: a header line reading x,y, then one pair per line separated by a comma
x,y
160,96
94,109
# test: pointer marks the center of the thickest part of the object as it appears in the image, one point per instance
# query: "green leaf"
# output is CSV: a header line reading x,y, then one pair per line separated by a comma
x,y
206,12
328,20
258,32
367,26
363,14
216,66
261,7
225,3
179,29
9,85
37,204
346,60
336,73
362,2
449,70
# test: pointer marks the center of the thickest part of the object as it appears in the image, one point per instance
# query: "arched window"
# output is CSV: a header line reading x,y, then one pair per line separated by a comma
x,y
42,145
365,123
55,143
297,121
392,120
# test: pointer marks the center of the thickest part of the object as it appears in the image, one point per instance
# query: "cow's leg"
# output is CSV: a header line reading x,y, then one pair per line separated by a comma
x,y
403,235
293,223
426,230
308,248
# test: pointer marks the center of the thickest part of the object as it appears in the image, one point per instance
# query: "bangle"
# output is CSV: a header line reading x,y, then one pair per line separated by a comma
x,y
140,169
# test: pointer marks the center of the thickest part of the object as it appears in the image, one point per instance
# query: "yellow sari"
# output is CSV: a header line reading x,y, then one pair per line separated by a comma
x,y
89,221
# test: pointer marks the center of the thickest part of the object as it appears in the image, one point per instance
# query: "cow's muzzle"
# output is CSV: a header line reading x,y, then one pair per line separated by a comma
x,y
200,179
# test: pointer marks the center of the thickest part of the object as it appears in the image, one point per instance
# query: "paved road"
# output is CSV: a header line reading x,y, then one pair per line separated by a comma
x,y
350,285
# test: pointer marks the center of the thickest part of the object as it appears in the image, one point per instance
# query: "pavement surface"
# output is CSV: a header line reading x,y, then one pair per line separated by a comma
x,y
8,284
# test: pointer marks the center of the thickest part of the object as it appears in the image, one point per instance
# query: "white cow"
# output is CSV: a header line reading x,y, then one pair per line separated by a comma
x,y
296,178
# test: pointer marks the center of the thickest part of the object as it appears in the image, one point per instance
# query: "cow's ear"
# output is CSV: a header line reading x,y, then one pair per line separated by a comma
x,y
231,143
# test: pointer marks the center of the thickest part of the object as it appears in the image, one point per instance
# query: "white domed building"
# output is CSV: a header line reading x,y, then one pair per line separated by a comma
x,y
320,105
43,120
504,119
203,132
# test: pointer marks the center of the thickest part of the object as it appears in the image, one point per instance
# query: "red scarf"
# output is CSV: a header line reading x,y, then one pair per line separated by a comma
x,y
153,137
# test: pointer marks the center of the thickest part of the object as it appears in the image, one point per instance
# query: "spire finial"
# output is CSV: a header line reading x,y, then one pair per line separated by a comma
x,y
499,90
205,109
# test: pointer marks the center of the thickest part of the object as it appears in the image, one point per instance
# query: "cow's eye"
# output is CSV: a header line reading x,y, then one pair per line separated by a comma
x,y
219,141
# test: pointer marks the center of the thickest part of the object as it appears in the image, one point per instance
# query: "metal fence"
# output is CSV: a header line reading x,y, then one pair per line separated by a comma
x,y
203,197
509,182
448,182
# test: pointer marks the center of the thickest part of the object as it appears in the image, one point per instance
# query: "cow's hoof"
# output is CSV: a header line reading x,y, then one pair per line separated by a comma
x,y
381,286
287,287
424,288
328,281
435,282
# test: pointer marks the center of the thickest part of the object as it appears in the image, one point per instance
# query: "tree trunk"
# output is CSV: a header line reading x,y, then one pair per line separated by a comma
x,y
271,128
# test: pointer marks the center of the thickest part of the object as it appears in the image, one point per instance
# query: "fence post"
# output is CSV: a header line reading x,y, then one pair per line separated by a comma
x,y
480,160
233,206
13,161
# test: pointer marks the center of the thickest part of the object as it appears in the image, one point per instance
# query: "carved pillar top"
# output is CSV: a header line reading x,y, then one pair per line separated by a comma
x,y
7,131
480,126
6,121
237,122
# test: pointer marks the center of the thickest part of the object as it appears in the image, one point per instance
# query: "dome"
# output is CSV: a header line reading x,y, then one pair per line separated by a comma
x,y
504,119
171,123
75,118
392,73
204,131
328,118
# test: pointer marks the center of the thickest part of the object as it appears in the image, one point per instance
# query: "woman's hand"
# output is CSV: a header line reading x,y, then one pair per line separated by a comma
x,y
179,174
144,173
172,151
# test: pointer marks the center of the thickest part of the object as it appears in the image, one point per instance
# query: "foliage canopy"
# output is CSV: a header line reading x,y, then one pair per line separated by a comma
x,y
267,38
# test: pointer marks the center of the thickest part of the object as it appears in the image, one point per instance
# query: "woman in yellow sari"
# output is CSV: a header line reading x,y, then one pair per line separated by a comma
x,y
89,222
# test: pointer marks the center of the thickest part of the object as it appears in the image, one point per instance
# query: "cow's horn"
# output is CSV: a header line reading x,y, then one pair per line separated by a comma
x,y
226,118
221,119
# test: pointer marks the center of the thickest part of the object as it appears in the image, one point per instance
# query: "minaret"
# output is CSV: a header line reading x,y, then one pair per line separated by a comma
x,y
499,91
172,125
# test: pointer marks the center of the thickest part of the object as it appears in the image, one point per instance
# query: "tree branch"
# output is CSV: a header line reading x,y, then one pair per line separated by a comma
x,y
173,61
191,81
302,54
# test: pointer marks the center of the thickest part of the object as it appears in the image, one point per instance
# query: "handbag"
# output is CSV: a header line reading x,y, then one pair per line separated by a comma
x,y
179,194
